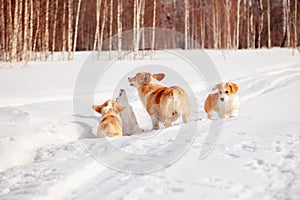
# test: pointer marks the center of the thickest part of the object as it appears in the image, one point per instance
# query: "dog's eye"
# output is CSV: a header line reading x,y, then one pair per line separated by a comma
x,y
226,91
220,92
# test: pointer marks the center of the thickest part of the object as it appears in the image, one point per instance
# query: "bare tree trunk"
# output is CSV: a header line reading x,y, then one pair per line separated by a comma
x,y
203,28
153,29
15,34
295,25
214,25
64,30
174,25
137,29
284,28
246,10
228,44
217,25
37,32
98,6
134,27
70,29
288,23
252,26
110,28
76,26
46,42
24,56
119,21
100,41
142,25
261,23
186,23
269,25
10,31
20,32
238,24
54,28
30,30
2,29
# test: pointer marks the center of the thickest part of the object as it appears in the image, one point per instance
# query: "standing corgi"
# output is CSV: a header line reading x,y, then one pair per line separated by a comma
x,y
225,102
110,124
163,104
130,125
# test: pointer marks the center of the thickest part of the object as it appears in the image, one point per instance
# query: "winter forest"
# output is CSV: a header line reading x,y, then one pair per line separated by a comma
x,y
34,30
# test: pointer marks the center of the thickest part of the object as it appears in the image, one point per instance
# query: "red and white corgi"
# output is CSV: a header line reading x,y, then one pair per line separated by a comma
x,y
130,125
225,102
163,104
110,124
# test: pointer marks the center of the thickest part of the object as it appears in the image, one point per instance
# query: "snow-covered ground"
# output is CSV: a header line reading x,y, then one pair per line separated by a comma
x,y
257,156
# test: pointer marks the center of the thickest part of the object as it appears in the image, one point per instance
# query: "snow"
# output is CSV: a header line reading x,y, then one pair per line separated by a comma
x,y
256,156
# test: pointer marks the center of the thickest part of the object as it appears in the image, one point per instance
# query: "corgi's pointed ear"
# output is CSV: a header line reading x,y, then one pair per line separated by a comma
x,y
146,78
119,108
216,87
234,87
158,77
97,108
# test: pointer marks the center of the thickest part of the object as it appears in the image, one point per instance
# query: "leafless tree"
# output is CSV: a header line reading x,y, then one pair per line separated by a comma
x,y
269,24
153,29
186,23
119,21
295,24
76,26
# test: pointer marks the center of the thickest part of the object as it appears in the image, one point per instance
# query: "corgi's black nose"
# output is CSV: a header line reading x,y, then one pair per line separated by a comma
x,y
122,90
222,99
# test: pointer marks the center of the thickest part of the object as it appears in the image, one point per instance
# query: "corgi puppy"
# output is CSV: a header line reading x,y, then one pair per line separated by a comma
x,y
163,104
225,102
110,124
130,125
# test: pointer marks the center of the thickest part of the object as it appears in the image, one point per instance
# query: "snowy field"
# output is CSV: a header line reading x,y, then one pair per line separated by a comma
x,y
257,156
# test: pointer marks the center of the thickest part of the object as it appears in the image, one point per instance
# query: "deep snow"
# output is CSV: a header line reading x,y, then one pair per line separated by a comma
x,y
256,156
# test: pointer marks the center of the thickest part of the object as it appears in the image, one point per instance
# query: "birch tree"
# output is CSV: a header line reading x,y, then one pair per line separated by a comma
x,y
288,20
98,6
261,22
54,28
2,31
153,29
64,30
76,26
110,27
24,56
186,23
15,34
30,30
228,43
295,24
46,42
70,29
119,21
284,22
237,24
100,41
269,24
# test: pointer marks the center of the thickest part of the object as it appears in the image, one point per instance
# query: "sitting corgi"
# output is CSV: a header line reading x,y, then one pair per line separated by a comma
x,y
110,124
129,122
225,102
163,104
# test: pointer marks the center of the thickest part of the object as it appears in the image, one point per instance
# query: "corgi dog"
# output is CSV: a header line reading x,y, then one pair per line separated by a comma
x,y
163,104
110,124
225,102
130,125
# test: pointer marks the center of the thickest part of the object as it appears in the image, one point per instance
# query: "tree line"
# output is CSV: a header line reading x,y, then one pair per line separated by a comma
x,y
34,30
